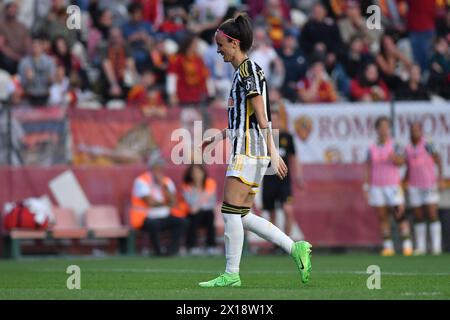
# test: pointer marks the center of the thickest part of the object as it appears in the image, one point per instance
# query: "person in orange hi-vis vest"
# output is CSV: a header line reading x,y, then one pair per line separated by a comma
x,y
199,192
155,206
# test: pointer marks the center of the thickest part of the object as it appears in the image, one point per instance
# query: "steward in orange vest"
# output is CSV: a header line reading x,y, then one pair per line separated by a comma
x,y
156,206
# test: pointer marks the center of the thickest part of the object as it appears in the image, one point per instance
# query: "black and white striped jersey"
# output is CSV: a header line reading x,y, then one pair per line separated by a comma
x,y
244,132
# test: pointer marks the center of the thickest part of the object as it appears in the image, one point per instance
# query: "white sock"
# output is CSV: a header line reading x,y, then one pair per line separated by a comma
x,y
388,244
407,243
266,230
436,237
420,233
234,241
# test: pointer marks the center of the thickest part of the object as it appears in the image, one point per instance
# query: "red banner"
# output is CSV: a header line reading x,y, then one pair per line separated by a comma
x,y
127,136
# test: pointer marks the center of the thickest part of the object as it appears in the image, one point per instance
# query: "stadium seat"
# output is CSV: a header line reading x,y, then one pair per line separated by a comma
x,y
66,226
12,240
103,221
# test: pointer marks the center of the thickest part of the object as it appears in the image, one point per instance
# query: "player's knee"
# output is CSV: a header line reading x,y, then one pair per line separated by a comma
x,y
228,208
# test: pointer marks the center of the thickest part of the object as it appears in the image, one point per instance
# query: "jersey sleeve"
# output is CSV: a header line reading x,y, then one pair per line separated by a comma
x,y
250,79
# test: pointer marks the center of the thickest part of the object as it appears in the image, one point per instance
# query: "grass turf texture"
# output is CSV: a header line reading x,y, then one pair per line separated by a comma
x,y
263,277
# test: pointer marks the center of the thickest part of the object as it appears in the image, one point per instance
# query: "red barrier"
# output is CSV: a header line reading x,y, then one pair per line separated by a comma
x,y
331,210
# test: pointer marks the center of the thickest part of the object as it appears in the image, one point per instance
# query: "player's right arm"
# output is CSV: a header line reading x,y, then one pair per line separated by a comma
x,y
366,178
431,149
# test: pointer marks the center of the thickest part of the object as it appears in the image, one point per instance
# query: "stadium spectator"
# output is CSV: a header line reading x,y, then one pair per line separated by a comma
x,y
152,11
153,199
354,24
54,24
357,58
158,59
119,9
277,17
277,193
368,86
98,35
393,15
383,186
146,96
59,88
352,64
72,65
439,80
14,39
256,8
422,159
175,22
137,33
37,71
187,82
118,67
206,17
392,63
317,86
421,19
199,191
321,29
267,58
412,89
294,63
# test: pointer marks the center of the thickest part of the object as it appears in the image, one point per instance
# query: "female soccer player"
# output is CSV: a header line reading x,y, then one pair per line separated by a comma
x,y
385,193
249,130
422,159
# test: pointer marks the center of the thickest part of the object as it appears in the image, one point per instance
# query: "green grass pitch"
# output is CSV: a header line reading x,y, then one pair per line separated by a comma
x,y
263,277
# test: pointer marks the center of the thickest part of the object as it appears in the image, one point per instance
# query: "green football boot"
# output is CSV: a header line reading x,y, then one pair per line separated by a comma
x,y
224,280
301,252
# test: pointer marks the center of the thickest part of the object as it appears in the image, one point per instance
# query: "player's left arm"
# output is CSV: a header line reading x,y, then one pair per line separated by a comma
x,y
437,160
257,104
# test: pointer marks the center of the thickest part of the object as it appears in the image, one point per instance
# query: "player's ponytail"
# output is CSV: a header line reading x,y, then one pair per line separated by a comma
x,y
239,28
245,28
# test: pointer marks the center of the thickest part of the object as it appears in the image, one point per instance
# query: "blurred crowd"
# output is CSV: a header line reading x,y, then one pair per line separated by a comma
x,y
153,54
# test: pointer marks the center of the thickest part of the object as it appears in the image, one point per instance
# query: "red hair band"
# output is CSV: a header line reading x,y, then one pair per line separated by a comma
x,y
229,37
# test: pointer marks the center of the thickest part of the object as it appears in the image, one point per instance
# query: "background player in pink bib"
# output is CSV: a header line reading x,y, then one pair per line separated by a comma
x,y
423,195
384,189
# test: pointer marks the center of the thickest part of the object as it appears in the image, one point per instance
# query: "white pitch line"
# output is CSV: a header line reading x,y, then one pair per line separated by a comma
x,y
434,293
150,270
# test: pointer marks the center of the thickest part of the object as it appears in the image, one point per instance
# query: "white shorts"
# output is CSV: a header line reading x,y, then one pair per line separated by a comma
x,y
419,196
250,170
390,196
